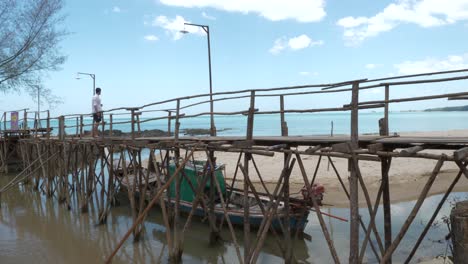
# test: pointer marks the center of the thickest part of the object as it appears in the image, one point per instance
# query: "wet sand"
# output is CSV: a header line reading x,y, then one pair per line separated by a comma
x,y
407,176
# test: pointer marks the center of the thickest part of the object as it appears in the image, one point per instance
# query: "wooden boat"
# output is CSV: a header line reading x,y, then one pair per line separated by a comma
x,y
193,175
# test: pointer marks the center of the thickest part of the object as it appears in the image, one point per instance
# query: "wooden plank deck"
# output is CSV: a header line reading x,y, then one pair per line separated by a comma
x,y
439,142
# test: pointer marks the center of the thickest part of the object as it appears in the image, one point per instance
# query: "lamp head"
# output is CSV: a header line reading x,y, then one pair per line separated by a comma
x,y
77,76
184,31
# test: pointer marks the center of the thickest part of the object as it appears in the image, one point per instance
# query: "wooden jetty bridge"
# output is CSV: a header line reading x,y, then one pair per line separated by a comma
x,y
60,159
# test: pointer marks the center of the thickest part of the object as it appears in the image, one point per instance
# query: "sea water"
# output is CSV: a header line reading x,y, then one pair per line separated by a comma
x,y
298,124
40,230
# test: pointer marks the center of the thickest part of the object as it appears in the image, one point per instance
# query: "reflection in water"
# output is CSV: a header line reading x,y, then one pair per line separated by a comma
x,y
39,230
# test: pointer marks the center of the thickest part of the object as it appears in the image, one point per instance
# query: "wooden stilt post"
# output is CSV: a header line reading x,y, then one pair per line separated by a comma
x,y
176,255
81,126
367,198
331,246
177,124
148,207
103,125
61,128
77,129
353,181
25,120
434,215
284,124
48,124
231,229
387,97
169,118
385,165
247,157
214,232
110,125
412,215
287,233
270,212
459,231
138,123
132,113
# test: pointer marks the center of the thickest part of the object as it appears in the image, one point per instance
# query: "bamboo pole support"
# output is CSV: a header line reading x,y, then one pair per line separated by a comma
x,y
434,215
370,226
412,215
81,125
111,125
353,180
132,113
367,198
103,125
271,211
228,220
385,168
386,121
25,121
323,225
148,207
77,129
247,157
176,254
138,123
262,208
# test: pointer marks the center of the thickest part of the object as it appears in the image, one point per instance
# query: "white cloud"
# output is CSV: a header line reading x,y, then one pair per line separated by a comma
x,y
452,62
371,66
174,26
278,46
116,9
275,10
205,15
424,13
300,42
306,73
151,38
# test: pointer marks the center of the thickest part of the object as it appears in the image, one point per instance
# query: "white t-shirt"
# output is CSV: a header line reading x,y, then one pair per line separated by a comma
x,y
97,107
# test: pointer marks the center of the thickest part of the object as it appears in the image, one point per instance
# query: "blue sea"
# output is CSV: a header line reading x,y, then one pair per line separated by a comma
x,y
298,124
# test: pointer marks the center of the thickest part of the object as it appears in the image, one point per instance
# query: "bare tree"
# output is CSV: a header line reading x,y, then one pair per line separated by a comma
x,y
42,96
29,42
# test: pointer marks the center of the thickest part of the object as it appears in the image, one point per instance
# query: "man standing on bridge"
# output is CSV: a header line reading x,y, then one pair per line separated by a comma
x,y
97,111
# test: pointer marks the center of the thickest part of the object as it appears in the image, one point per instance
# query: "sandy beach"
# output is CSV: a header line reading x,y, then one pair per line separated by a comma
x,y
407,175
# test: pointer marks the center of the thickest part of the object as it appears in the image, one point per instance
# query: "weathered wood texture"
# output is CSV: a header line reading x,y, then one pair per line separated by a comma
x,y
75,166
459,223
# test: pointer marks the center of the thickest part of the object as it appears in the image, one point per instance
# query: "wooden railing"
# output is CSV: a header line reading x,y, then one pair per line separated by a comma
x,y
131,118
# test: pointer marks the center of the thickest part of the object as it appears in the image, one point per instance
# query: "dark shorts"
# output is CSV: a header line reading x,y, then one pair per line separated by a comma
x,y
97,118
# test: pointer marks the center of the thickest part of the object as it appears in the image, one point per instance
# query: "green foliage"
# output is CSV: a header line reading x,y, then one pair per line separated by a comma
x,y
29,43
452,108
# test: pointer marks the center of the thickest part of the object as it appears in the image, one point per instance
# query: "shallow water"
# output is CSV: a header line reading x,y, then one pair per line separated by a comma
x,y
36,229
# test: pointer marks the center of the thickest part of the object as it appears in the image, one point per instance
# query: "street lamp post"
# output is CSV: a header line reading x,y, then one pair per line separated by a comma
x,y
37,121
92,75
207,30
38,99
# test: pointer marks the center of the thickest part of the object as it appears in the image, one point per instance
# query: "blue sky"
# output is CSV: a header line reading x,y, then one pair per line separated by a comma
x,y
138,55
